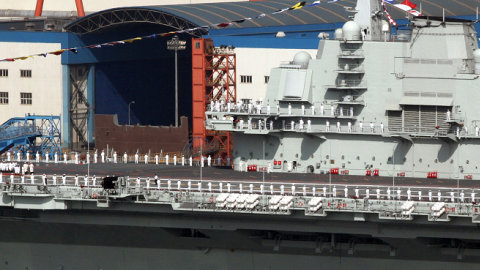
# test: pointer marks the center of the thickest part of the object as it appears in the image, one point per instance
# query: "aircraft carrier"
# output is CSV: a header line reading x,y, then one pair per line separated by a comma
x,y
396,191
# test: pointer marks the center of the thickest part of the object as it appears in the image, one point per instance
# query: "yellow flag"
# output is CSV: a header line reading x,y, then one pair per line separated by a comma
x,y
298,6
23,57
132,39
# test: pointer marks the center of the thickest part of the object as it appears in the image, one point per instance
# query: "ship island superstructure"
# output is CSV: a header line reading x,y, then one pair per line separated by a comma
x,y
371,102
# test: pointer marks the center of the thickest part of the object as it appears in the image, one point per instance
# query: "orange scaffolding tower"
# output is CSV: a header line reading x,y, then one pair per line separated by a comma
x,y
213,79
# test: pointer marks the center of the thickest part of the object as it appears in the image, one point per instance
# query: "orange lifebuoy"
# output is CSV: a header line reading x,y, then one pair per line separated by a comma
x,y
447,209
300,203
94,195
211,199
339,205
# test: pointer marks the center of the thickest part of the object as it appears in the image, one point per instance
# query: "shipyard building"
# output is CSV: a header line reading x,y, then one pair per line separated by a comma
x,y
105,81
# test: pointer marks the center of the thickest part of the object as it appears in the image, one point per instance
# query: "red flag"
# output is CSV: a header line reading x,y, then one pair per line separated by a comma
x,y
408,3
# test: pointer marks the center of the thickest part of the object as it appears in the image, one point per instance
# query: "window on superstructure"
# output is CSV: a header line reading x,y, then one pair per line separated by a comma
x,y
197,45
3,97
26,73
26,98
267,78
3,72
246,79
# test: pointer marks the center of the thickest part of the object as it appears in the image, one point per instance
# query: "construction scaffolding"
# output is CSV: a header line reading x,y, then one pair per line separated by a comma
x,y
214,79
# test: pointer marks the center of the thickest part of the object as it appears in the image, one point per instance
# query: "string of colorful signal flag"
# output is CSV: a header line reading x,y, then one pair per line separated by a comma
x,y
405,5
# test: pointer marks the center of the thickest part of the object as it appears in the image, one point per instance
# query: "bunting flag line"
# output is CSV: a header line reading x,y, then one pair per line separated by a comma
x,y
390,20
74,50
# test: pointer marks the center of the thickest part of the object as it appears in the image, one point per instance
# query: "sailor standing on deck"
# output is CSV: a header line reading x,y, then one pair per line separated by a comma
x,y
338,126
300,124
95,156
76,159
88,158
360,126
448,115
381,127
419,195
125,158
64,179
269,168
289,109
309,124
146,158
85,179
166,159
190,161
219,161
388,193
259,108
115,157
37,157
271,124
94,180
268,108
31,168
241,123
372,127
76,180
209,161
351,111
249,106
8,156
44,180
65,158
136,158
229,106
303,109
322,111
156,159
346,191
56,157
327,126
341,111
313,109
477,129
349,126
332,111
292,127
202,161
240,165
103,156
183,160
54,178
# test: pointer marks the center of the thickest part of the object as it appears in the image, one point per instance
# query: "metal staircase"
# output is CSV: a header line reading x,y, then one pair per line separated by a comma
x,y
31,134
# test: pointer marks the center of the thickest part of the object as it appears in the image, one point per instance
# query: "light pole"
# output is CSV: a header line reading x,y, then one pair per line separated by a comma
x,y
129,111
176,44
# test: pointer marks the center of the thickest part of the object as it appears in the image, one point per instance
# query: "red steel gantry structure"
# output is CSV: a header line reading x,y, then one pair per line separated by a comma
x,y
213,79
39,8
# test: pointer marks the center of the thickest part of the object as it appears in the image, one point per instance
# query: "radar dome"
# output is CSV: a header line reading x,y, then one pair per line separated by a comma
x,y
302,58
351,31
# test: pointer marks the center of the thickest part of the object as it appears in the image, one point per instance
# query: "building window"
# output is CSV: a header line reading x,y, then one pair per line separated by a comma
x,y
197,45
3,72
245,79
27,73
3,97
267,78
26,98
